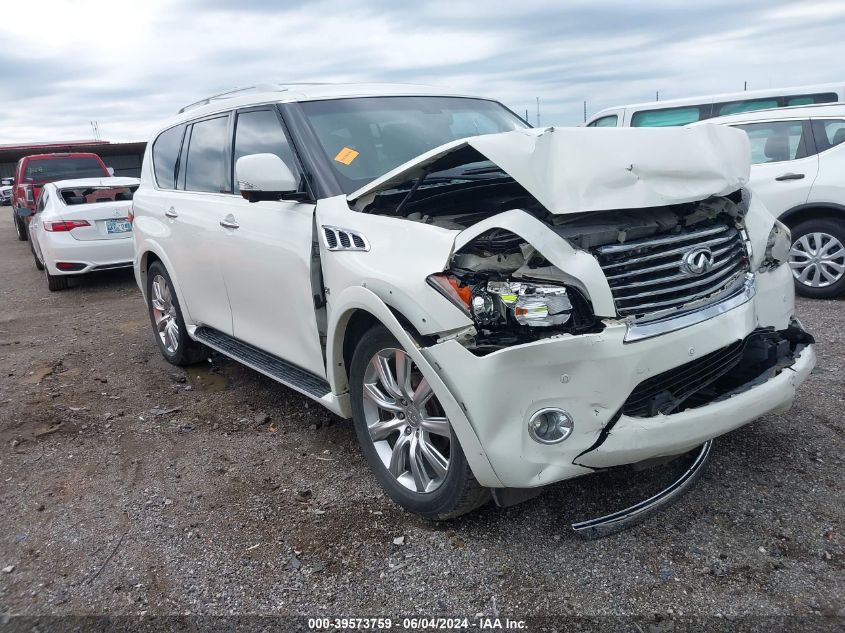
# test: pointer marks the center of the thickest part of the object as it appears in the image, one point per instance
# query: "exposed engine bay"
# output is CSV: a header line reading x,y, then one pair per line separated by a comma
x,y
515,295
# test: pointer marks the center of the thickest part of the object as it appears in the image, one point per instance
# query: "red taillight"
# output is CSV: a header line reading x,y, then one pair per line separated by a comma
x,y
27,193
56,227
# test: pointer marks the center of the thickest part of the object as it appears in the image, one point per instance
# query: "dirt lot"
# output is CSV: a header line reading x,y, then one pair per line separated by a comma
x,y
130,486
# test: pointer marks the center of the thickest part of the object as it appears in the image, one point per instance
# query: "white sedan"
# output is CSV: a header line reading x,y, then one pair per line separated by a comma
x,y
82,226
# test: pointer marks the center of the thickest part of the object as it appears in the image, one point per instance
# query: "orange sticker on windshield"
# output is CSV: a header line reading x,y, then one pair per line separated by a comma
x,y
346,156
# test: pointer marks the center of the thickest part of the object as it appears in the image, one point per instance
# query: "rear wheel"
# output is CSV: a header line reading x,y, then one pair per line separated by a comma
x,y
169,329
20,226
817,258
405,434
56,282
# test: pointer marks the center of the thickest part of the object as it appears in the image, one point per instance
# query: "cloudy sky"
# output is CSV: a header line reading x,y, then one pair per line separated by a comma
x,y
128,65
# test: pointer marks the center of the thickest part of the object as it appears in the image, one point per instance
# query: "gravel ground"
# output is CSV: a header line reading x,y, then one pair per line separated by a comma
x,y
130,486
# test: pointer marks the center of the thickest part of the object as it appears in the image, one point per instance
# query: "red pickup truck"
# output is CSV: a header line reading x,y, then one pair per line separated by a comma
x,y
33,171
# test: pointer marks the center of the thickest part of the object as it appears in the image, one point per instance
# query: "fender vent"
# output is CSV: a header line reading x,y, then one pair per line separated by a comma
x,y
337,239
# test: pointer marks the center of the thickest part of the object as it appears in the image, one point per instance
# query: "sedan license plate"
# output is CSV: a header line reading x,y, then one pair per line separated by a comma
x,y
118,226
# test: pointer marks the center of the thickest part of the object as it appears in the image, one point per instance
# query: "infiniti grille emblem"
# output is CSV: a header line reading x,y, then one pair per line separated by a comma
x,y
697,261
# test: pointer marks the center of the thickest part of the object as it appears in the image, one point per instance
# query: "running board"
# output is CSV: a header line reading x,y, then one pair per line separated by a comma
x,y
623,519
267,364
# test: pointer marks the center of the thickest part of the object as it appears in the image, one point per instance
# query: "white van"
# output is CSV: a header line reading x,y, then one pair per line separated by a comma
x,y
690,110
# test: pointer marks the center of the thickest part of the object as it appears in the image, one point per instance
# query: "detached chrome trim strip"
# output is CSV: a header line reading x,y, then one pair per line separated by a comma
x,y
623,519
638,332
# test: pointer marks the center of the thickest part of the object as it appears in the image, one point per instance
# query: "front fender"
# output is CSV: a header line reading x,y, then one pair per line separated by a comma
x,y
355,298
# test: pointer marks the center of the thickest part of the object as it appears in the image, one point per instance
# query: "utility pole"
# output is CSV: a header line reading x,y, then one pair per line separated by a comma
x,y
657,96
745,85
538,111
585,112
526,115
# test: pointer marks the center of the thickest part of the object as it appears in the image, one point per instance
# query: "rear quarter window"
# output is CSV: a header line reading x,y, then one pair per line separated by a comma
x,y
165,154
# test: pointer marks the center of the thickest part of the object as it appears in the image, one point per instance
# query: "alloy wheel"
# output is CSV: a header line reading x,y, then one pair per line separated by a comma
x,y
817,259
406,423
164,314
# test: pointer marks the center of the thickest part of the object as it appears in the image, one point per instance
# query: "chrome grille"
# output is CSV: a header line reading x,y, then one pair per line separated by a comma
x,y
649,277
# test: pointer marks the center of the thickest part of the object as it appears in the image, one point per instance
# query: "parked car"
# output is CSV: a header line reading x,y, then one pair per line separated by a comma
x,y
33,172
798,171
82,225
493,315
6,185
691,109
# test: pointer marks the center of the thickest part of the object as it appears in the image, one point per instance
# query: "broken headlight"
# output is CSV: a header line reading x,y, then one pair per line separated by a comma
x,y
777,246
497,304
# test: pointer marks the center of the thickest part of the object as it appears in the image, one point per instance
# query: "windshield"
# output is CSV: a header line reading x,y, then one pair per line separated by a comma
x,y
365,138
43,170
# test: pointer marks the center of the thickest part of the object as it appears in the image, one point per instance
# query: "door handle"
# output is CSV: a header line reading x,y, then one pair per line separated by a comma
x,y
790,177
171,213
229,222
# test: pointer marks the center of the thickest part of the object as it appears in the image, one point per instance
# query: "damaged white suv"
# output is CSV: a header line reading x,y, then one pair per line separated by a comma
x,y
496,307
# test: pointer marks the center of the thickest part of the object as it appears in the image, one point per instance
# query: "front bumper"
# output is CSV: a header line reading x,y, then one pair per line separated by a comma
x,y
591,376
91,254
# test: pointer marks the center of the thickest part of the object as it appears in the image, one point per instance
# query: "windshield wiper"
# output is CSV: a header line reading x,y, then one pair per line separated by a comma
x,y
483,170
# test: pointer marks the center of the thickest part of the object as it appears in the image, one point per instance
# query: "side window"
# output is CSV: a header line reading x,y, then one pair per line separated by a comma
x,y
829,133
165,154
605,121
749,105
822,97
776,141
42,201
670,116
260,132
205,165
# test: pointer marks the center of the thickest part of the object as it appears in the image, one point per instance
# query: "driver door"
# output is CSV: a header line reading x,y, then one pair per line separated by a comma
x,y
267,255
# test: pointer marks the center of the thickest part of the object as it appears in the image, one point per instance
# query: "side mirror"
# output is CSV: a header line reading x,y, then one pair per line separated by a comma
x,y
266,177
110,170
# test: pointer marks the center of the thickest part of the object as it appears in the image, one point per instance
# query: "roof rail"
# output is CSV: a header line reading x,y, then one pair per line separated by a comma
x,y
228,94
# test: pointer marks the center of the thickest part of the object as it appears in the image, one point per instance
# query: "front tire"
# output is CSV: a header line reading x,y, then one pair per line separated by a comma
x,y
169,329
20,226
405,434
817,258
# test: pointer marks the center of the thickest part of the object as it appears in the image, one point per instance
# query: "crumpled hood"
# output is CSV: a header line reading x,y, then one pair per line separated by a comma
x,y
571,170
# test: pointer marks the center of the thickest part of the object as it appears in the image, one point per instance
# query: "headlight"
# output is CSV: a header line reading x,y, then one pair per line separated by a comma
x,y
497,304
777,246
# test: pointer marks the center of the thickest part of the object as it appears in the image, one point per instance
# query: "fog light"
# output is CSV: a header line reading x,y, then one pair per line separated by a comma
x,y
550,426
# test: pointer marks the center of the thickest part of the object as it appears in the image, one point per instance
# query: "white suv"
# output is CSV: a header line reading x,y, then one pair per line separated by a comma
x,y
496,307
798,170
